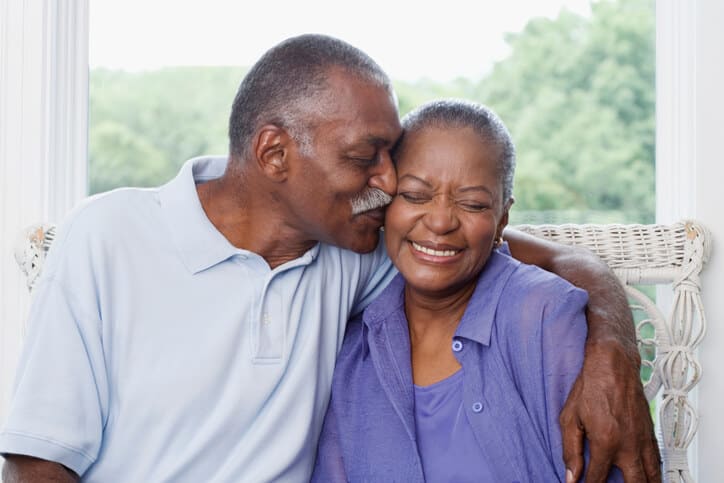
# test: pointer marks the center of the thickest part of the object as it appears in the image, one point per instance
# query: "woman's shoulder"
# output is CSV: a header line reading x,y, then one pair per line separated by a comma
x,y
529,284
533,301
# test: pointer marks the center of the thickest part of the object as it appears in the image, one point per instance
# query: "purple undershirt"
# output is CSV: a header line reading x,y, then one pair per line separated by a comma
x,y
445,439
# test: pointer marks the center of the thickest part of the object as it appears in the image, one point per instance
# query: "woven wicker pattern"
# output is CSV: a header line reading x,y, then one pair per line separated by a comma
x,y
672,255
622,246
30,250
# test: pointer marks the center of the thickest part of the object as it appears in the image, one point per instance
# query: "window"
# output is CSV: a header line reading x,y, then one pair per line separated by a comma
x,y
574,83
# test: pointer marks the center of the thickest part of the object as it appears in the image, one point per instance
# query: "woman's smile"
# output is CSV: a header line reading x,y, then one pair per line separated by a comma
x,y
431,252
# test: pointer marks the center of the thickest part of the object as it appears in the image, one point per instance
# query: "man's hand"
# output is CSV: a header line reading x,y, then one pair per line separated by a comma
x,y
607,405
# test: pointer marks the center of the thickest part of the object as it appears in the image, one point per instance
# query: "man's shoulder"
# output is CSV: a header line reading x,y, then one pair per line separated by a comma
x,y
101,221
111,211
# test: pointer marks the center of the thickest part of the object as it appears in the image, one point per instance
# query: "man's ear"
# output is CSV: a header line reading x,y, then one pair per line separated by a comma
x,y
271,148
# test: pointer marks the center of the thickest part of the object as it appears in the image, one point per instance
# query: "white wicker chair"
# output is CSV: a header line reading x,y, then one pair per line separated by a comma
x,y
669,255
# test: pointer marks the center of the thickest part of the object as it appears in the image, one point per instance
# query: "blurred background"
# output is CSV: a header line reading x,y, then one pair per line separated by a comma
x,y
573,80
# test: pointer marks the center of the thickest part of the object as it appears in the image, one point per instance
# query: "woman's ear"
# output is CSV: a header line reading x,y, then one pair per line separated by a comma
x,y
270,152
504,219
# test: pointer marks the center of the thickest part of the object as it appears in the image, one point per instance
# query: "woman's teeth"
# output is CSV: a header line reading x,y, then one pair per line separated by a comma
x,y
435,253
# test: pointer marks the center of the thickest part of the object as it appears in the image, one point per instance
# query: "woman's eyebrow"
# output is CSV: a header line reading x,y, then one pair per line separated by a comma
x,y
414,178
467,189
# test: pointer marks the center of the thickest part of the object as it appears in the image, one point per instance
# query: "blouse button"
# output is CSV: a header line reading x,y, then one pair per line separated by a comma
x,y
477,407
457,345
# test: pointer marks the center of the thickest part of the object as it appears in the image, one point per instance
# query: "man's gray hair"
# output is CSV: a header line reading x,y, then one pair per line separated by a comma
x,y
283,86
456,113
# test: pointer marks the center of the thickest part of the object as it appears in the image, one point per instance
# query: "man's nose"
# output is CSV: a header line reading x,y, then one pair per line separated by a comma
x,y
384,176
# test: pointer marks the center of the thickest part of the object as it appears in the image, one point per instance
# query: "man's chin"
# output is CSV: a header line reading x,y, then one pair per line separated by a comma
x,y
364,250
362,244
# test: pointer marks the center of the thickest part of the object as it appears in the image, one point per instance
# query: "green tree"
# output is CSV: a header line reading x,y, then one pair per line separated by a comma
x,y
578,97
143,125
577,94
411,95
119,157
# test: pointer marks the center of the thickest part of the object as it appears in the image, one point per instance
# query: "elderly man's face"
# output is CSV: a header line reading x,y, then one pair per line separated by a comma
x,y
344,181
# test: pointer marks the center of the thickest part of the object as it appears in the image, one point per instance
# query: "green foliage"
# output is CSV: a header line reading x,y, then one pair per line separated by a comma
x,y
144,125
411,95
578,97
576,93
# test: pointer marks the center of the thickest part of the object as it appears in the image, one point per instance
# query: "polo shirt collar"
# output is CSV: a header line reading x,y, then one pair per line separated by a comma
x,y
199,243
477,321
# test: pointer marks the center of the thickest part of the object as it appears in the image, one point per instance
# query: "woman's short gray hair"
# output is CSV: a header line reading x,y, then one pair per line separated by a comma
x,y
457,113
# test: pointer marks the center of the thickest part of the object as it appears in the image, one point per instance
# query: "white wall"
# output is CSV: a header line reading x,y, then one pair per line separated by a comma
x,y
709,199
689,170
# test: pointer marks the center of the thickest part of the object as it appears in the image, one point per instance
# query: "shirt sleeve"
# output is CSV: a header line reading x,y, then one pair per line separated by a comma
x,y
59,404
563,341
563,336
329,465
381,274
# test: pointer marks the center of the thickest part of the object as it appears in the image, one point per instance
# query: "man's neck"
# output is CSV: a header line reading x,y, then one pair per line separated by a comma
x,y
250,220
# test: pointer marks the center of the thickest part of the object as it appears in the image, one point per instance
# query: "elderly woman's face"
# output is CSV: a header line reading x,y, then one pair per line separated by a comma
x,y
441,226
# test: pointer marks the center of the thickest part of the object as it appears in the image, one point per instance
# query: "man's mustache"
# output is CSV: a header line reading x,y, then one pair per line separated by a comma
x,y
370,199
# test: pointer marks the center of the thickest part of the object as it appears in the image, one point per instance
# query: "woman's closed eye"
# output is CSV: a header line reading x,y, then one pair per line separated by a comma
x,y
414,197
473,206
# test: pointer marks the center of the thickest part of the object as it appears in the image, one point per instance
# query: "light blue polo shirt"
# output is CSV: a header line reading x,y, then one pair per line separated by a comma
x,y
158,352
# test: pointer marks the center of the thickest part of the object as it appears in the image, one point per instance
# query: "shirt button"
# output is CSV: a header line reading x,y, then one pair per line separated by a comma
x,y
457,345
477,407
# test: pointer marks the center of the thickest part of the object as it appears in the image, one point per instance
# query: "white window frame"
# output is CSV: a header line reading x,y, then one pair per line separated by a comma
x,y
43,157
43,140
689,173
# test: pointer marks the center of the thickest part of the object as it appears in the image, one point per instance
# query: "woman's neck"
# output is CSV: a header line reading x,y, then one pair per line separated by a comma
x,y
432,322
434,312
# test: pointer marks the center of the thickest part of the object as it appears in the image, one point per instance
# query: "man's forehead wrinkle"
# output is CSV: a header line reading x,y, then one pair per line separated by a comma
x,y
377,141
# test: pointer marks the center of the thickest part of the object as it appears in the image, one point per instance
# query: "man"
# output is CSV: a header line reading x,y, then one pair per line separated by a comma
x,y
188,333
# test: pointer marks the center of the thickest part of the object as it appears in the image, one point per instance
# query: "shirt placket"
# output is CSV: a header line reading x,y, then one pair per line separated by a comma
x,y
477,404
267,325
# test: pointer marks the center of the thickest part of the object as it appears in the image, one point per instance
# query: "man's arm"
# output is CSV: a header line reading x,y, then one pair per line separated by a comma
x,y
26,469
607,403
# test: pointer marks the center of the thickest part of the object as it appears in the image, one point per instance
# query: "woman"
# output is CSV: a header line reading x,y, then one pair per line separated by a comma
x,y
458,371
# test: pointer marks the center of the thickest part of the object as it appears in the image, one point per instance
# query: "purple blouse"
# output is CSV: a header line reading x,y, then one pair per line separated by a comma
x,y
520,344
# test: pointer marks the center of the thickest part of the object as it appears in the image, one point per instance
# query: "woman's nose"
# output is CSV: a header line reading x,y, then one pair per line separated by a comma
x,y
441,216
